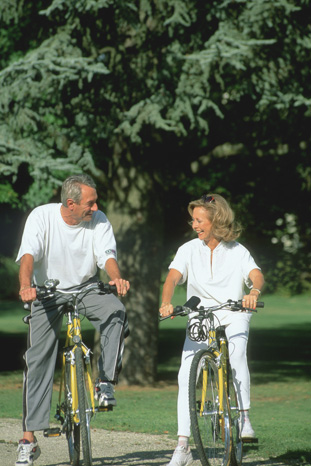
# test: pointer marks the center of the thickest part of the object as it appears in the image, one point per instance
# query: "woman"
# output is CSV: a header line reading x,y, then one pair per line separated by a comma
x,y
216,268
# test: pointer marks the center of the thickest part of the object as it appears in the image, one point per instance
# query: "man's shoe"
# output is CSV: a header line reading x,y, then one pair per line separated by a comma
x,y
247,432
28,452
181,457
104,393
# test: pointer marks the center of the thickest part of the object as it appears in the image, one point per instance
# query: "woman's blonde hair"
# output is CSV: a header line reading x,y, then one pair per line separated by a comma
x,y
220,214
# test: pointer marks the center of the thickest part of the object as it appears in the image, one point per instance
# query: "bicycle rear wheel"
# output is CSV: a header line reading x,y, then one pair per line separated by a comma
x,y
209,411
85,410
71,429
237,444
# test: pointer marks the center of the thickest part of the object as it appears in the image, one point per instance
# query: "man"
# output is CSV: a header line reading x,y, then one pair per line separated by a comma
x,y
68,242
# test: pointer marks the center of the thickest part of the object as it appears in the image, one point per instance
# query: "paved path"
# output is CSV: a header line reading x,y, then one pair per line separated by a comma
x,y
109,448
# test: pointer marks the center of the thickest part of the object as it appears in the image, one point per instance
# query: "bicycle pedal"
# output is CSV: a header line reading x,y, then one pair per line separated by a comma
x,y
55,432
250,440
104,409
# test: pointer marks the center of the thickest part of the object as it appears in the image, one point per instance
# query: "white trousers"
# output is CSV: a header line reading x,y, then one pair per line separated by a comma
x,y
237,330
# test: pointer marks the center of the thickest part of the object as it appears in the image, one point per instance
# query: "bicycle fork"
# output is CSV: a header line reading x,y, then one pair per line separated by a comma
x,y
217,409
221,383
223,386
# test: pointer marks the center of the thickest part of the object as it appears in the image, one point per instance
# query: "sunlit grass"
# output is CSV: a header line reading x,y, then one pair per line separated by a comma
x,y
279,358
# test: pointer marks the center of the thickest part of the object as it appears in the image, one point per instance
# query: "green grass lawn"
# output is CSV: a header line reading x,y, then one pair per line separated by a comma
x,y
280,364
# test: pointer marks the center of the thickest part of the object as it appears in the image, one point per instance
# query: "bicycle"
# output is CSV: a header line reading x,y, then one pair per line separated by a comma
x,y
76,404
214,411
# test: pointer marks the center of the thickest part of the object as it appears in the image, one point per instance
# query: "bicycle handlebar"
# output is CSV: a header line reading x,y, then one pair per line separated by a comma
x,y
190,307
50,289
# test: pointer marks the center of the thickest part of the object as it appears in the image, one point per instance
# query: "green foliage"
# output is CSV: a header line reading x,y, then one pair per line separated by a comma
x,y
211,96
287,273
10,10
8,195
8,278
21,29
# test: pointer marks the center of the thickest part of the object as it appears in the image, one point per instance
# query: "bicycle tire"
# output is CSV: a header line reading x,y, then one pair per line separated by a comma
x,y
71,429
84,408
210,427
237,444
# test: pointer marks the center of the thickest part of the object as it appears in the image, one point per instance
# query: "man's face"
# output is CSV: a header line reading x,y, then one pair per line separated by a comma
x,y
88,205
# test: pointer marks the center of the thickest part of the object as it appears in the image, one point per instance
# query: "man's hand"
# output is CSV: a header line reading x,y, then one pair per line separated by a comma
x,y
28,294
122,285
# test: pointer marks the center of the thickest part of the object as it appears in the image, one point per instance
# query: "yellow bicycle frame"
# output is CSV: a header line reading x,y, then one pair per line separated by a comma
x,y
74,329
222,377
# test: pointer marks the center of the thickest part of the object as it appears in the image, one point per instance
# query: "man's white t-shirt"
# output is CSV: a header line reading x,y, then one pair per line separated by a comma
x,y
69,253
217,281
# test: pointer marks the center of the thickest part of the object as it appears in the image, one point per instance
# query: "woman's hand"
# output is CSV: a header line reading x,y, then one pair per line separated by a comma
x,y
257,280
250,300
166,309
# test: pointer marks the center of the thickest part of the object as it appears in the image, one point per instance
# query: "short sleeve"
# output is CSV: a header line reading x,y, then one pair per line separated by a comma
x,y
104,241
33,237
180,263
248,264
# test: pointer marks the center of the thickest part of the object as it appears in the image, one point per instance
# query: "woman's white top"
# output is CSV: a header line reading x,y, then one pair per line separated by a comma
x,y
217,280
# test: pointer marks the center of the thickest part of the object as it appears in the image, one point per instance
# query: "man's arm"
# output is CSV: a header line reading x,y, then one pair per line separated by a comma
x,y
26,292
113,271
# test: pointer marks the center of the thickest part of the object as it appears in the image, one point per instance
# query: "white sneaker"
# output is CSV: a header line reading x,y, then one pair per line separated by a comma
x,y
27,452
247,432
181,457
104,393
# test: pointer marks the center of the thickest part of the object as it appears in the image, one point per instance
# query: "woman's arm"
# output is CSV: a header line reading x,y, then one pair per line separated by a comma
x,y
172,279
258,281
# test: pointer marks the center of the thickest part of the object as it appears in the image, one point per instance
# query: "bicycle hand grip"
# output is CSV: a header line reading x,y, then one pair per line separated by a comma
x,y
106,288
178,310
190,305
238,305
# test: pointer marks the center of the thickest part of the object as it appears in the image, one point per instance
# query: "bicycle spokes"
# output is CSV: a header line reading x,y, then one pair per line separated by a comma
x,y
209,411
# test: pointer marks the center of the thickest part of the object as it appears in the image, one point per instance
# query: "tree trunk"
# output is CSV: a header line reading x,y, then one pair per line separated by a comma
x,y
135,214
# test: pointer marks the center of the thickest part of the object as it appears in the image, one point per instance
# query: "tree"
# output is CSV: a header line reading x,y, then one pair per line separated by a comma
x,y
159,101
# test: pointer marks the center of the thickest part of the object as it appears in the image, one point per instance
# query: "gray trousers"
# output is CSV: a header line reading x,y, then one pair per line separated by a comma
x,y
108,316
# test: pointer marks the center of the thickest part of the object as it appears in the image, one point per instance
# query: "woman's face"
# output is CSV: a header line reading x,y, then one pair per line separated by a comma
x,y
201,224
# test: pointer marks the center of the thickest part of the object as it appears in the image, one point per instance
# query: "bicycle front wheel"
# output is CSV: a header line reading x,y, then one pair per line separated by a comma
x,y
85,410
209,411
71,429
237,444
